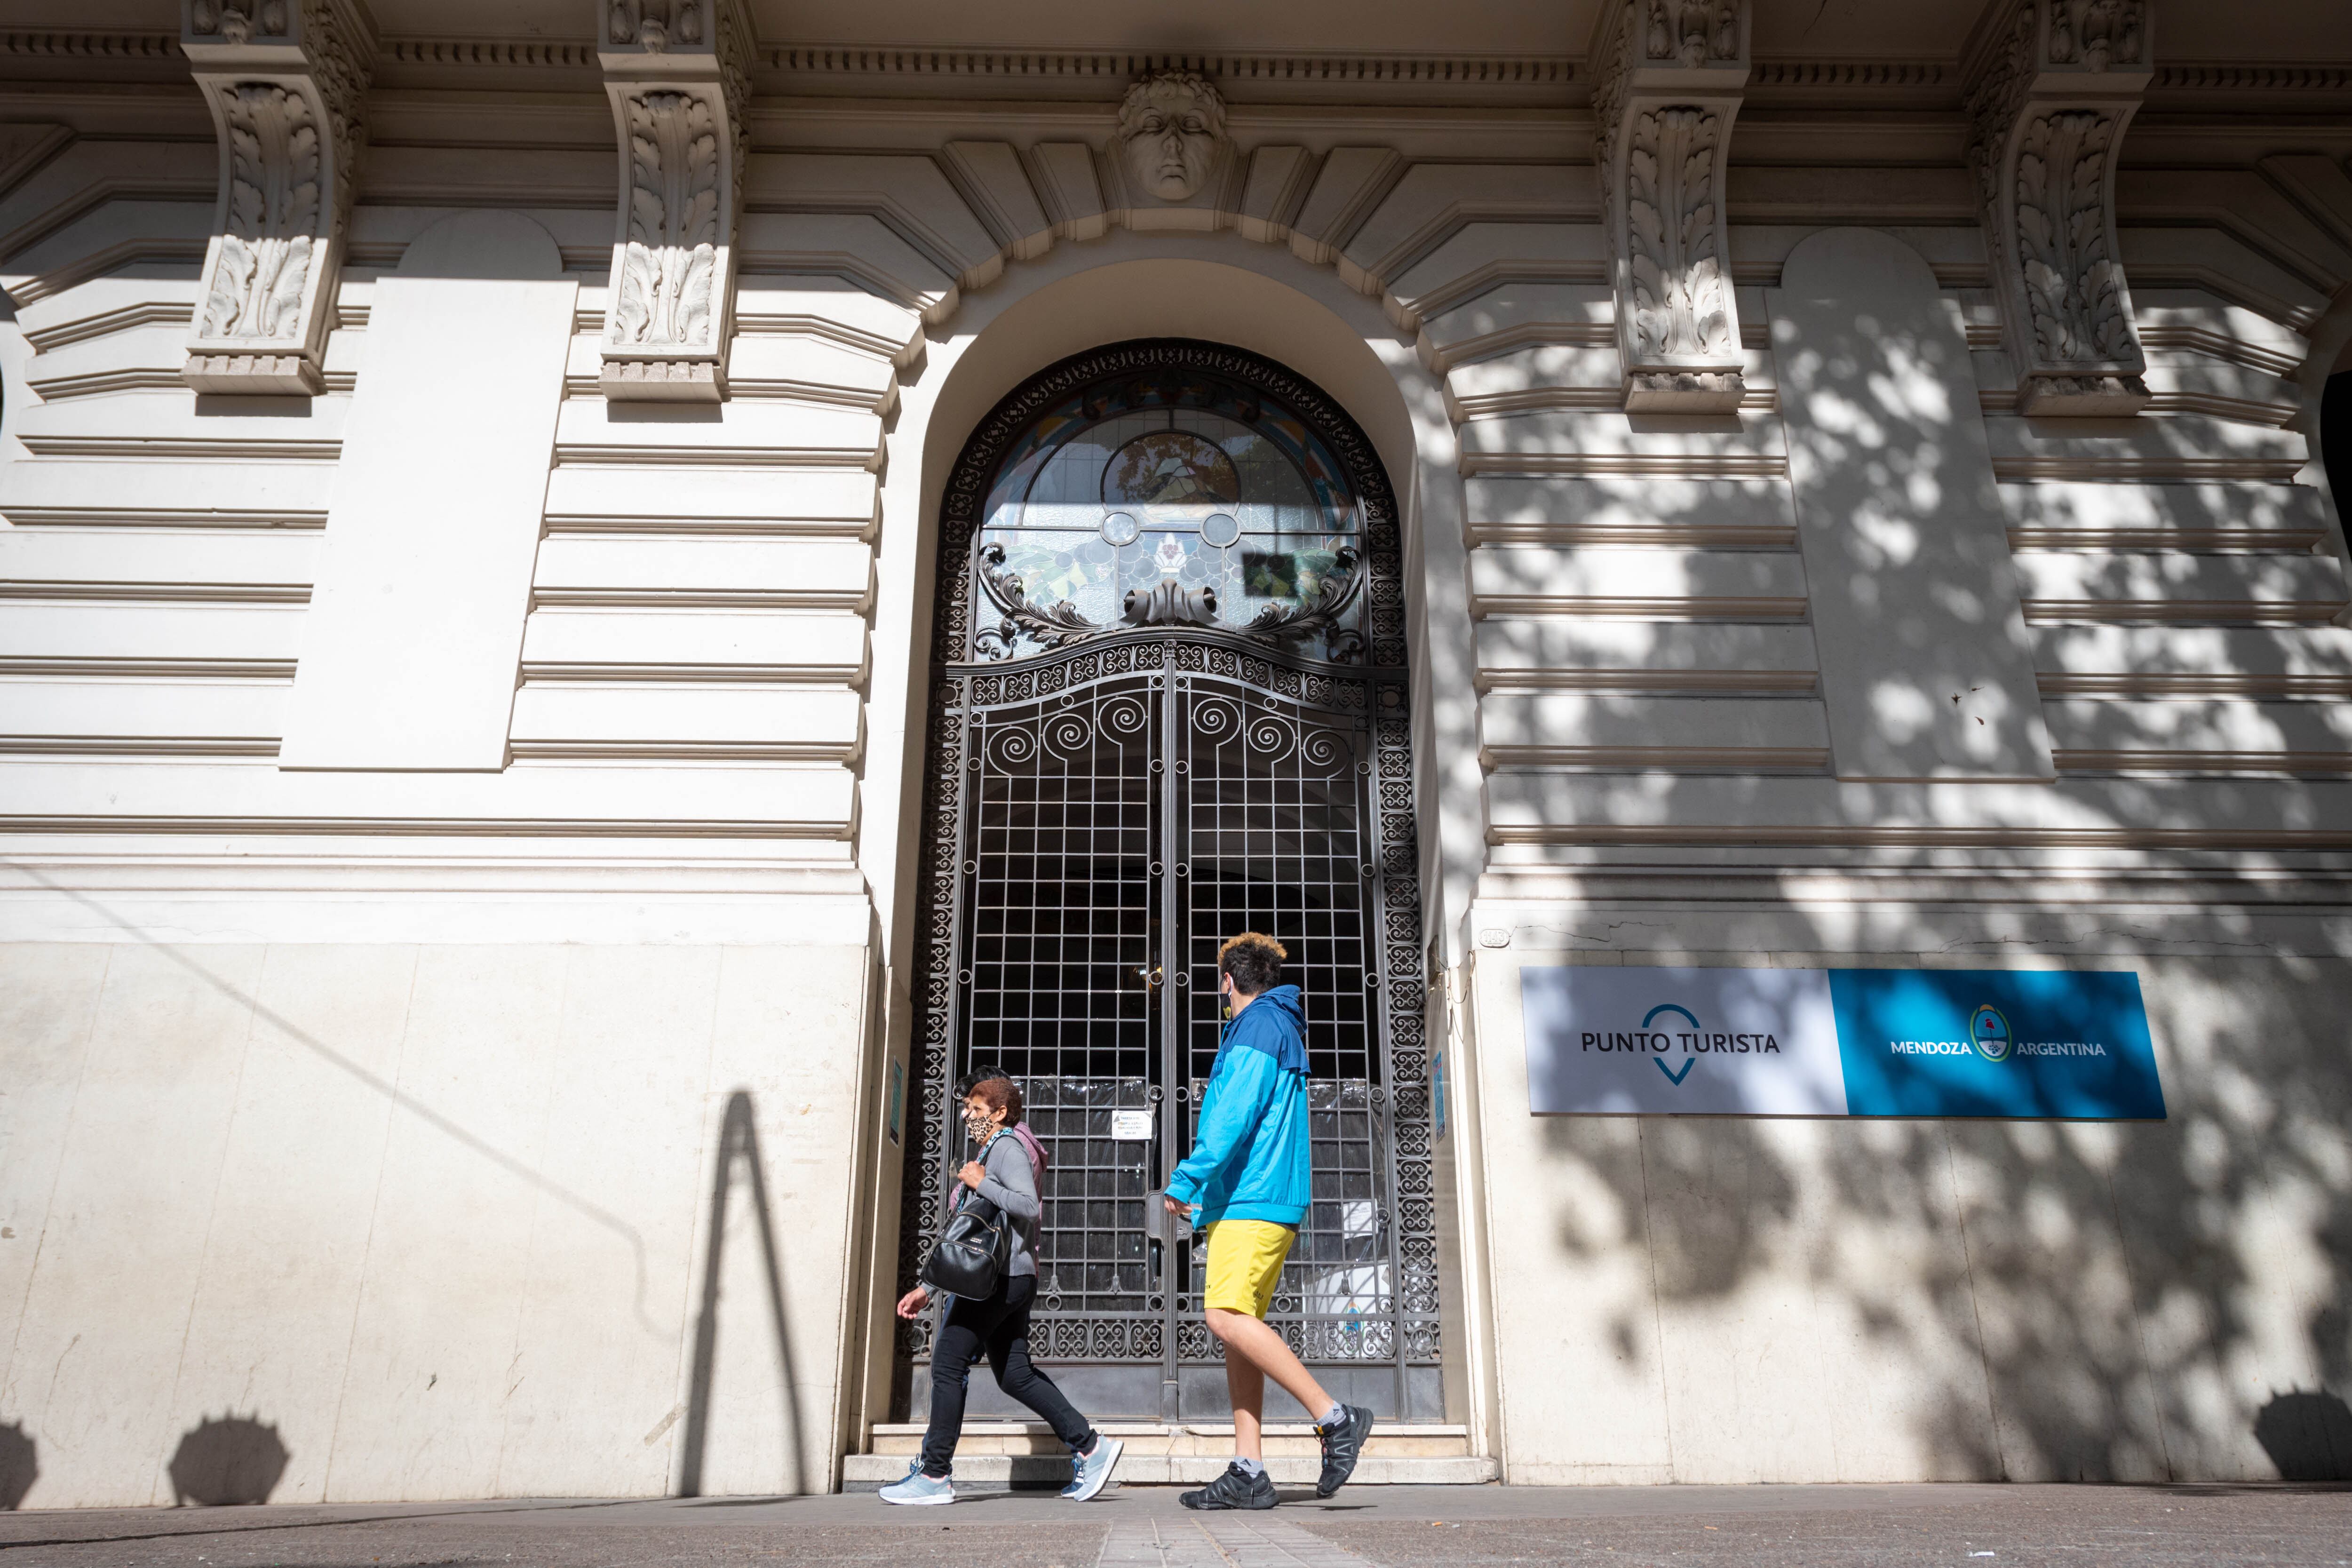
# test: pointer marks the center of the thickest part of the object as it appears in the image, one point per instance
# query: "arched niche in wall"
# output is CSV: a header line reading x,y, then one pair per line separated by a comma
x,y
1212,289
1215,288
2335,427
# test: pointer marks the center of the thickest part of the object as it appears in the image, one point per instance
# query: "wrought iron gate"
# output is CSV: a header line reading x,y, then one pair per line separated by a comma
x,y
1106,802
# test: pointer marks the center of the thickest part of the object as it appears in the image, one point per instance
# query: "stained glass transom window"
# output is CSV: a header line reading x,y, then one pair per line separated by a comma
x,y
1168,497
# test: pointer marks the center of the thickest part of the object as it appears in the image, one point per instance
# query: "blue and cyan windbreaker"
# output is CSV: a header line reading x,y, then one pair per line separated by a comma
x,y
1250,1157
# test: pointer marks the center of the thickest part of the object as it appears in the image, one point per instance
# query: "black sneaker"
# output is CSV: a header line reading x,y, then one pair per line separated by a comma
x,y
1236,1489
1343,1444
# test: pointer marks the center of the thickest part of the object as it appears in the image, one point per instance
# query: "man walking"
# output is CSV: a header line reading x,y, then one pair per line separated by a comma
x,y
1248,1175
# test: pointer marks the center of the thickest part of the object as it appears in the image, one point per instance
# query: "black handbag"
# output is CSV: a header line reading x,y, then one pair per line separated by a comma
x,y
970,1255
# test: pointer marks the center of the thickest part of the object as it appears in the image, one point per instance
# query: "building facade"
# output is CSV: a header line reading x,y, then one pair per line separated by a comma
x,y
598,598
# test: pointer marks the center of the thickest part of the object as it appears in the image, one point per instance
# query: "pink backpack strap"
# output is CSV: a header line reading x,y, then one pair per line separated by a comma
x,y
1029,1144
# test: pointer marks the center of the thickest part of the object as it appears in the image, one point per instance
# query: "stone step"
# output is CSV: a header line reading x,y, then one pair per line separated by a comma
x,y
1191,1440
1025,1472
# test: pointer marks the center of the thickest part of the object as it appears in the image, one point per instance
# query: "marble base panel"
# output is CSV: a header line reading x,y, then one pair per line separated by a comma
x,y
323,1223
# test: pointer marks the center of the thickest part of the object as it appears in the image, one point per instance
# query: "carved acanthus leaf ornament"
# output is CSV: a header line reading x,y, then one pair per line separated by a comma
x,y
1682,303
2053,85
1321,615
1051,625
1667,94
2072,282
670,260
677,73
285,80
257,279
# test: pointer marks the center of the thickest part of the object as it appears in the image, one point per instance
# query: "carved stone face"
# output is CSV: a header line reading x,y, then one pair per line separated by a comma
x,y
655,24
1171,126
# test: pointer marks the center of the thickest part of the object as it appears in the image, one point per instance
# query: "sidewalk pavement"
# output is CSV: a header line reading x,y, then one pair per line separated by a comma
x,y
1143,1527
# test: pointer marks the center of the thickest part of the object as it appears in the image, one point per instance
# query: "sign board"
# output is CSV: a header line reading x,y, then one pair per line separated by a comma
x,y
1131,1126
2070,1044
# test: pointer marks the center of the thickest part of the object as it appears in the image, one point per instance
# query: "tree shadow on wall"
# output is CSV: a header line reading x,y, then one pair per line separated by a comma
x,y
2307,1436
2013,1299
228,1462
18,1469
2062,1298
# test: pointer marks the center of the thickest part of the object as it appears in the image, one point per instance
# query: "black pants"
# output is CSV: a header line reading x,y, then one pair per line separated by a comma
x,y
999,1326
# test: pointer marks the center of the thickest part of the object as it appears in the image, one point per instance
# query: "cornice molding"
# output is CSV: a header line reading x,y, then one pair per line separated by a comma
x,y
1121,66
2284,77
499,53
1115,68
50,44
1853,73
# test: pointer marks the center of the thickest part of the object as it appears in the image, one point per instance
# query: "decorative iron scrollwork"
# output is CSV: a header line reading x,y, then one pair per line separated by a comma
x,y
1168,604
1336,596
1161,656
1052,627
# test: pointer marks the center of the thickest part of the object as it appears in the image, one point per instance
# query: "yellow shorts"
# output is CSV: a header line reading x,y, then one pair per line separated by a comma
x,y
1246,1264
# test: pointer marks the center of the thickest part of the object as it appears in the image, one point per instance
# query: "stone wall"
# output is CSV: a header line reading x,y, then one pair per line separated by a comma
x,y
1725,1300
317,1222
441,772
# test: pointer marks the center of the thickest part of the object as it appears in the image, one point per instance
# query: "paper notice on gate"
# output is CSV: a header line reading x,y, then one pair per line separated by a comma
x,y
1131,1126
1638,1040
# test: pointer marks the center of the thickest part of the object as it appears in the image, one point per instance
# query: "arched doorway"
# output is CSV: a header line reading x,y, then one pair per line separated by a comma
x,y
1169,703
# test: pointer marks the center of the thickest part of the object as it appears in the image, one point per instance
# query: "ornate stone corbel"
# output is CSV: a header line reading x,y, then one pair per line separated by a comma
x,y
285,80
678,75
1670,76
2052,85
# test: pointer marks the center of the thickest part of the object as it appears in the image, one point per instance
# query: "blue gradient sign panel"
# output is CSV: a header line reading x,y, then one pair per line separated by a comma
x,y
1642,1040
2069,1043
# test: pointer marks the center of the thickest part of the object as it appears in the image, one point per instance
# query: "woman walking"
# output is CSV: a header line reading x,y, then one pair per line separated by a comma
x,y
1007,1174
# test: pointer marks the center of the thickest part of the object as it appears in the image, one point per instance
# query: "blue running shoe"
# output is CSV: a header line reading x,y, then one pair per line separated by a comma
x,y
1089,1473
919,1488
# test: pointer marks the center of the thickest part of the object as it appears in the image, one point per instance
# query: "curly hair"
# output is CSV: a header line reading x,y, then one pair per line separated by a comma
x,y
999,1093
1212,105
1253,960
